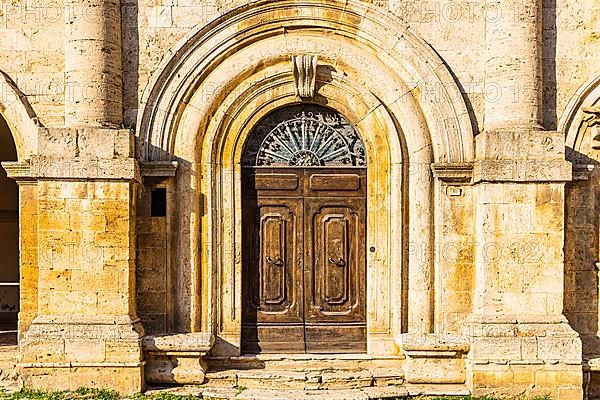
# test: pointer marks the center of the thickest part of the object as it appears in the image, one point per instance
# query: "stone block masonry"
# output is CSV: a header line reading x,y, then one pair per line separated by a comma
x,y
480,129
83,324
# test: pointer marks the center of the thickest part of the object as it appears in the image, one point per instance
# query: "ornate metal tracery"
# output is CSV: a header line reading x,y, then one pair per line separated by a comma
x,y
304,136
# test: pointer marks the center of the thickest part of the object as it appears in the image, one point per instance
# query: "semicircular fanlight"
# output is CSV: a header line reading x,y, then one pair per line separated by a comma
x,y
304,136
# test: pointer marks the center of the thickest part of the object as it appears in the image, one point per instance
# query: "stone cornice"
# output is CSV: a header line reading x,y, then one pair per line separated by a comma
x,y
522,171
161,169
56,168
582,172
18,170
453,172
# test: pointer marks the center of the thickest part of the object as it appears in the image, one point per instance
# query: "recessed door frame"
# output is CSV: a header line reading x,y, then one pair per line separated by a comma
x,y
221,180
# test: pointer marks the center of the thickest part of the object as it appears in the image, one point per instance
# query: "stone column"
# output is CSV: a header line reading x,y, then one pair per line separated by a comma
x,y
93,93
519,336
86,331
513,64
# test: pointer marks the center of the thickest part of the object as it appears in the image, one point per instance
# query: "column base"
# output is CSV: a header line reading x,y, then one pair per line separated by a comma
x,y
125,379
66,353
431,359
536,357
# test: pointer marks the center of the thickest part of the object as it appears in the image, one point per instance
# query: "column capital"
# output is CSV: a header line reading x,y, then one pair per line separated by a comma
x,y
20,171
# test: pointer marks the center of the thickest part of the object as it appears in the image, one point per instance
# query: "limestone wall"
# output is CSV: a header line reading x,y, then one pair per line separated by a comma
x,y
32,53
455,251
576,56
455,29
94,255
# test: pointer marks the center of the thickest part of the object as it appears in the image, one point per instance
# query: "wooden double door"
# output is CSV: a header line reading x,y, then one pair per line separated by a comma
x,y
304,261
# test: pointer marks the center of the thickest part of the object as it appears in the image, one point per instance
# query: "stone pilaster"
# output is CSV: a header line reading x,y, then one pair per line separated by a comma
x,y
86,331
28,243
521,342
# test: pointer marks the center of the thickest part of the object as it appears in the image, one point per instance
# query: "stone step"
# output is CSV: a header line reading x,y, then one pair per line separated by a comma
x,y
306,378
304,361
368,393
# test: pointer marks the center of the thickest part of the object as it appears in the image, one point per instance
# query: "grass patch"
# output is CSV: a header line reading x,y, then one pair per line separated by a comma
x,y
79,394
163,396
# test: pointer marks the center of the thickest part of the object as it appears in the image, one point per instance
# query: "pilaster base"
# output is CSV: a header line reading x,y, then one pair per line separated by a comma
x,y
125,379
66,353
177,359
534,357
432,360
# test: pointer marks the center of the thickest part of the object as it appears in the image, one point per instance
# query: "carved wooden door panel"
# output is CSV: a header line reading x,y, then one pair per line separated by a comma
x,y
335,265
273,259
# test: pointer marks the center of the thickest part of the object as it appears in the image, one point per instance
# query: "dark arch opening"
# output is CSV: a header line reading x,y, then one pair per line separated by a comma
x,y
9,241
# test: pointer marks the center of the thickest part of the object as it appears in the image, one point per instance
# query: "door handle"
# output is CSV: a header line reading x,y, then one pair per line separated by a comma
x,y
278,262
339,262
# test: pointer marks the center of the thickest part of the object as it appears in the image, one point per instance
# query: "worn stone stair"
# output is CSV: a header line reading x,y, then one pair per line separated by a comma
x,y
315,377
365,393
308,379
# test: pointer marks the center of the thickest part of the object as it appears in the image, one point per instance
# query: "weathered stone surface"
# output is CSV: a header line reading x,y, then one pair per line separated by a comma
x,y
391,392
257,394
346,379
283,380
387,376
475,228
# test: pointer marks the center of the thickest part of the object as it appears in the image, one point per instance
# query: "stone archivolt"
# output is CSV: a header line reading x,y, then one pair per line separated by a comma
x,y
402,58
20,116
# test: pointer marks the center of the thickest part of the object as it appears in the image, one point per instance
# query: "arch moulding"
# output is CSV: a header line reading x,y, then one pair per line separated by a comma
x,y
412,60
223,78
582,112
19,116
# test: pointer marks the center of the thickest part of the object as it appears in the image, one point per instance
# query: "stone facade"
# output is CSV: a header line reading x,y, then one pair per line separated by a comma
x,y
481,125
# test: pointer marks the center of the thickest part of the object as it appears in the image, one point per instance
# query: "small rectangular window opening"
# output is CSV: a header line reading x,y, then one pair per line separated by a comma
x,y
159,202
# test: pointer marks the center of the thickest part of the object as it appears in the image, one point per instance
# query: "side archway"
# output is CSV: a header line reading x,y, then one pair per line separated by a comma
x,y
580,124
222,79
18,138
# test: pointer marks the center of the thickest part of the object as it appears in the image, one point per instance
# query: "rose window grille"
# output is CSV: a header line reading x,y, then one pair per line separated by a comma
x,y
305,136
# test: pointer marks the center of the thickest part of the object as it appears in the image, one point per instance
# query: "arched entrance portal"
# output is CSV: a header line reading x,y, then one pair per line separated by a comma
x,y
304,223
9,242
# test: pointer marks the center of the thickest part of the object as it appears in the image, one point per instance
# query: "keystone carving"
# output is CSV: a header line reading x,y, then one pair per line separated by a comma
x,y
592,117
305,74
